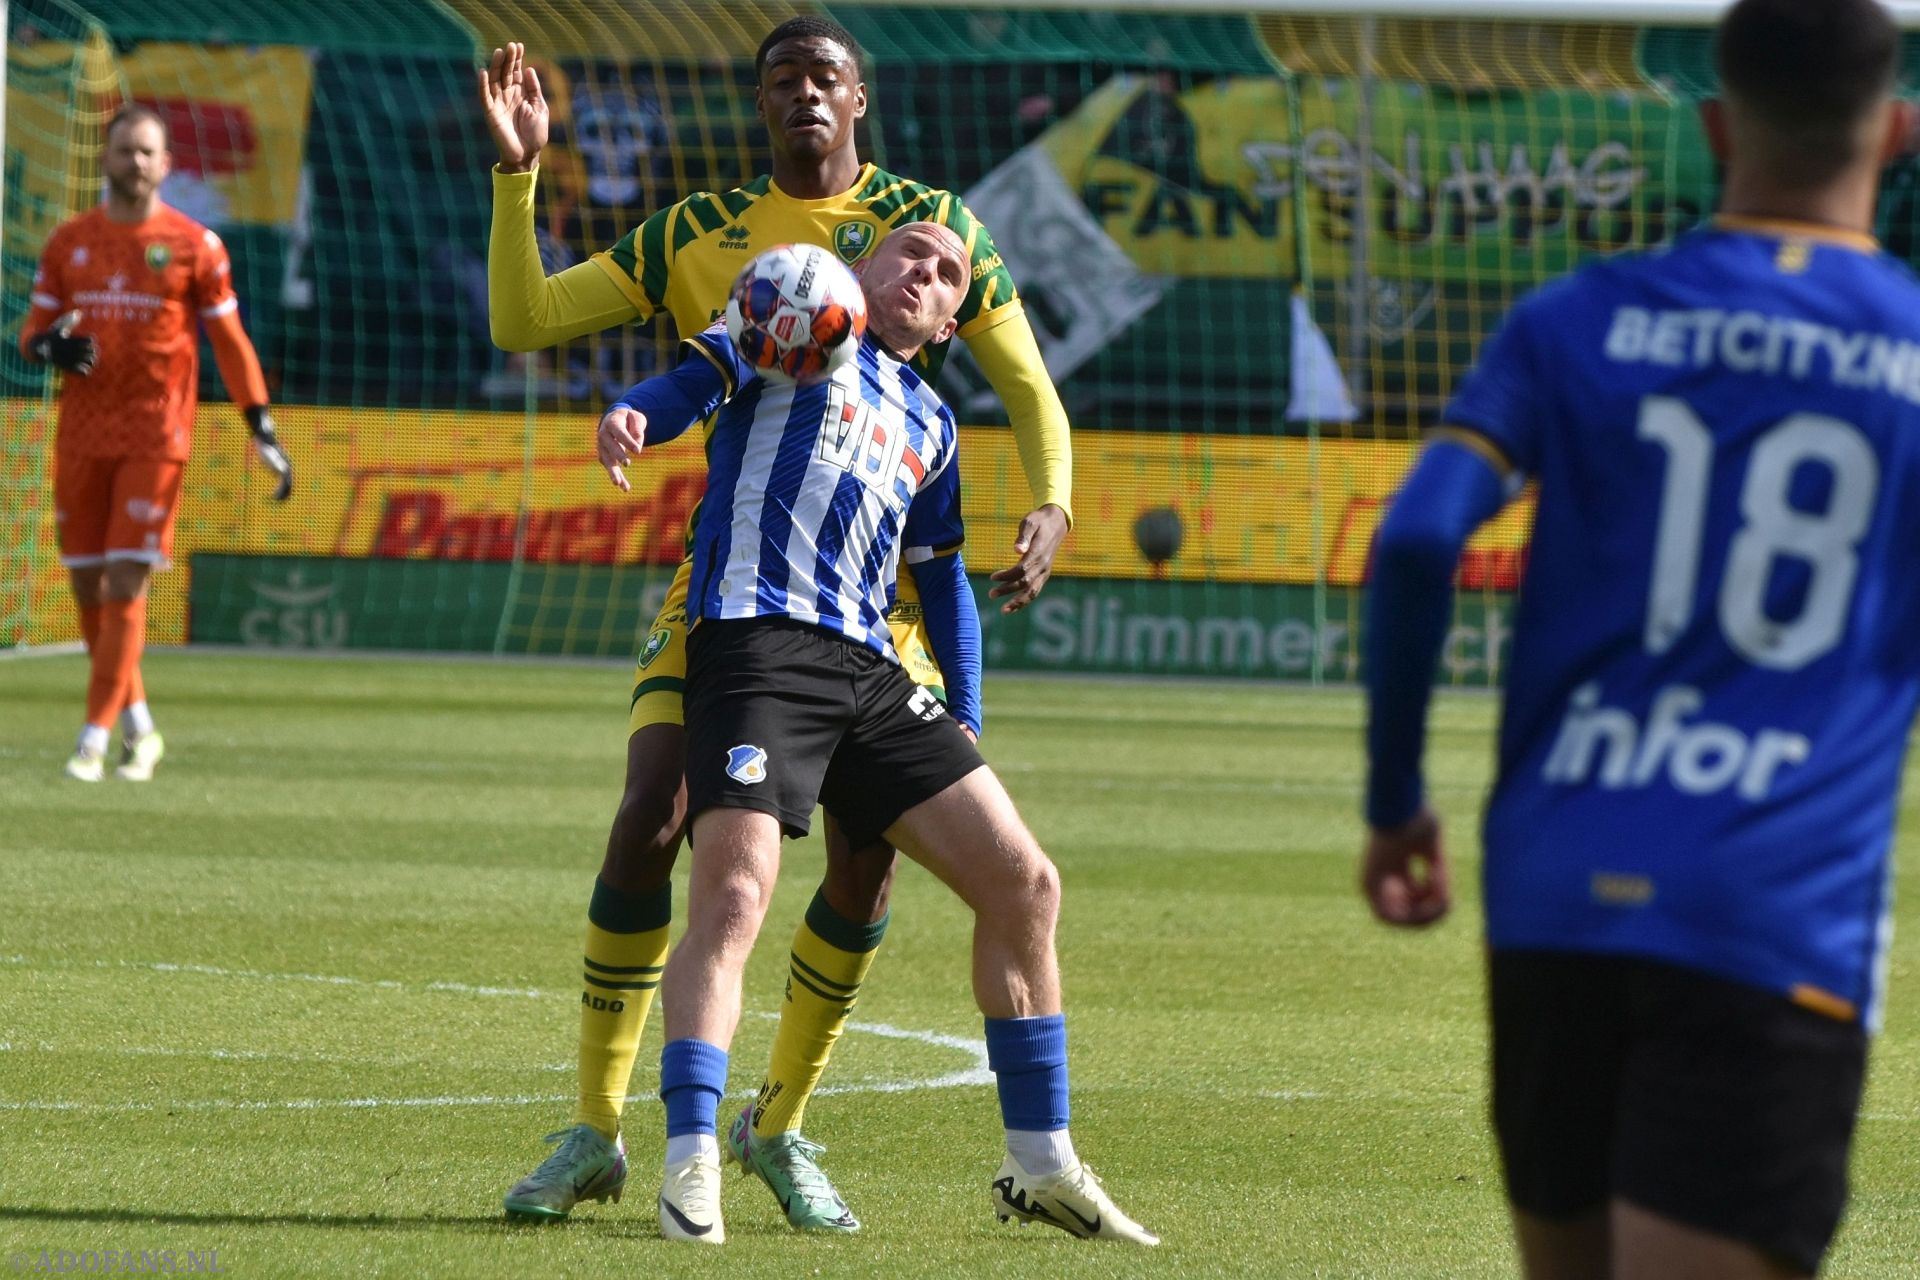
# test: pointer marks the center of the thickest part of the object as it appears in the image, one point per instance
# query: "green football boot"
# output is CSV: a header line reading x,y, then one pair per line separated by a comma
x,y
786,1164
586,1167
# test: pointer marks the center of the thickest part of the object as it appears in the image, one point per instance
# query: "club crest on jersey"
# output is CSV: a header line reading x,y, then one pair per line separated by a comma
x,y
747,764
851,240
158,256
655,643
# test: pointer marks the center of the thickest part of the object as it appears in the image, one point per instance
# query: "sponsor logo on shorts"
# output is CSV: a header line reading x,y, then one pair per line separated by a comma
x,y
146,512
655,643
924,704
747,764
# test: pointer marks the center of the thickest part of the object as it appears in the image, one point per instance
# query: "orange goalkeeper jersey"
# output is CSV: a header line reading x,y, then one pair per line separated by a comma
x,y
141,289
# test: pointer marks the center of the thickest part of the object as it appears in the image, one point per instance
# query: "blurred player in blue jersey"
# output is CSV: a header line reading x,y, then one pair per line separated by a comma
x,y
1713,676
795,693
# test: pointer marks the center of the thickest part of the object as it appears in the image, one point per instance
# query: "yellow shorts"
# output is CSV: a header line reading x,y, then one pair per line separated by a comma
x,y
660,674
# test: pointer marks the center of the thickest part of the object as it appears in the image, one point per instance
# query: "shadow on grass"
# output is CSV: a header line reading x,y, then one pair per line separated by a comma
x,y
349,1221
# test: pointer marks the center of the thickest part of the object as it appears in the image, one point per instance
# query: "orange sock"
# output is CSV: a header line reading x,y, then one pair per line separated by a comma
x,y
90,632
116,658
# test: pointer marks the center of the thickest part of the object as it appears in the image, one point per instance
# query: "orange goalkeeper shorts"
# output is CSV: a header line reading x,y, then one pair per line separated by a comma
x,y
115,509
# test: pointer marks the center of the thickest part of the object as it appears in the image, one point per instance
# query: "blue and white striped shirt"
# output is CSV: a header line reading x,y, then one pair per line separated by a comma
x,y
814,493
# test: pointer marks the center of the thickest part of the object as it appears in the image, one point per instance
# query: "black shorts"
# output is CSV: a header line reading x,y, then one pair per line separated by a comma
x,y
780,714
1721,1106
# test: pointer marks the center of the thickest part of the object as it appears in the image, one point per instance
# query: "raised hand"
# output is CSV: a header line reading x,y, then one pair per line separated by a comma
x,y
515,108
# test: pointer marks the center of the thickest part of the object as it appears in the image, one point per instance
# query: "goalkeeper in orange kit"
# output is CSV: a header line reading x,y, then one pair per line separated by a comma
x,y
114,305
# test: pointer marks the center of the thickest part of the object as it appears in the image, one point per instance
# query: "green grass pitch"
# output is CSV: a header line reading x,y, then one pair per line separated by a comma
x,y
308,999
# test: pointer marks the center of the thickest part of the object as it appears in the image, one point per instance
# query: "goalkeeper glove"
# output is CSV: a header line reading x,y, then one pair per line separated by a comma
x,y
267,444
58,347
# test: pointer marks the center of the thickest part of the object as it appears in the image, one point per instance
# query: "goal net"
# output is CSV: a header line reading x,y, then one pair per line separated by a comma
x,y
1258,249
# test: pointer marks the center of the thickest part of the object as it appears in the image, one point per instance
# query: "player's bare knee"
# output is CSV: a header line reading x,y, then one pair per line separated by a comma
x,y
87,586
125,579
649,821
1043,887
859,882
732,905
649,825
1030,894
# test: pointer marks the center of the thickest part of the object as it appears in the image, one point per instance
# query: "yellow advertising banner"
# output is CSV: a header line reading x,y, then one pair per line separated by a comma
x,y
239,123
451,487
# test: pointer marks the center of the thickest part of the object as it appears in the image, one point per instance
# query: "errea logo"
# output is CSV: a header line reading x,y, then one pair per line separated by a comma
x,y
734,237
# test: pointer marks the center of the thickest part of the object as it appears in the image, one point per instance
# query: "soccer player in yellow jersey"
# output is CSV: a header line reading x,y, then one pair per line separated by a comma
x,y
682,260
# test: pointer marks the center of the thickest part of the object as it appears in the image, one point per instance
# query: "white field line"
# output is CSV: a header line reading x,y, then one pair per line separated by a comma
x,y
975,1074
327,979
64,649
386,1060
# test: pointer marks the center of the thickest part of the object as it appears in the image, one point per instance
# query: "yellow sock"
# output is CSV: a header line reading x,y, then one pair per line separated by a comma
x,y
626,951
831,956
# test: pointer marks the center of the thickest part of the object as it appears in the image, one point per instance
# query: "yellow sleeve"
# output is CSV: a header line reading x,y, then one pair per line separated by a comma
x,y
1010,357
527,308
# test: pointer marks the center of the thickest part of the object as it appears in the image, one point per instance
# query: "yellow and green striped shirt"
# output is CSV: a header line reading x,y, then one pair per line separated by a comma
x,y
683,259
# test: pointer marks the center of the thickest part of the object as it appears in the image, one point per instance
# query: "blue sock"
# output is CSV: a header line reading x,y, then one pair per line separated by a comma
x,y
693,1075
1029,1061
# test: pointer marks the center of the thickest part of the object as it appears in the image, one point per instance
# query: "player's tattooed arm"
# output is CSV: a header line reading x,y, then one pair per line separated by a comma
x,y
515,109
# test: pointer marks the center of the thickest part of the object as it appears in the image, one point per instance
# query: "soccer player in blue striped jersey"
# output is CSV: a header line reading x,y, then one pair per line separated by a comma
x,y
1712,682
795,694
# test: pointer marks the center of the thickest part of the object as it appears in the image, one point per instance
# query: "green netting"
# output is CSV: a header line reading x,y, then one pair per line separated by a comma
x,y
1681,59
1257,253
914,35
368,25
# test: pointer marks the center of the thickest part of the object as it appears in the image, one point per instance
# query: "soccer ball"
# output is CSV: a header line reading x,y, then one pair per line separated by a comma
x,y
796,313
